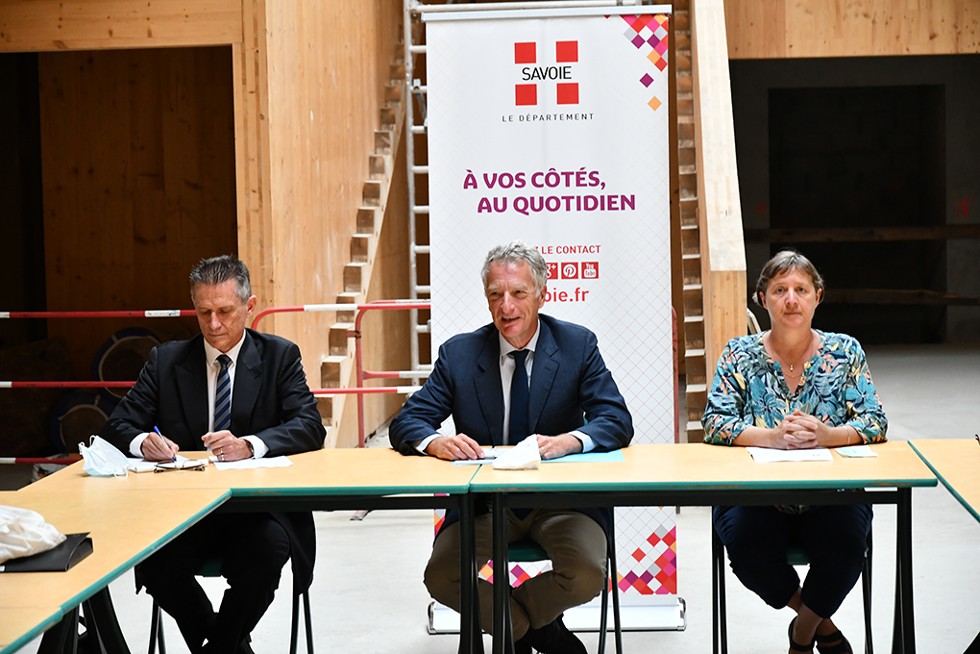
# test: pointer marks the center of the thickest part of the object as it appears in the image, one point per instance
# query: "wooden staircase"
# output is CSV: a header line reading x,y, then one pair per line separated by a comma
x,y
337,369
691,308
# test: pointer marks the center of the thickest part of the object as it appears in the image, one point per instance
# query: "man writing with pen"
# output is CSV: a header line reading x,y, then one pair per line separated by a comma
x,y
239,394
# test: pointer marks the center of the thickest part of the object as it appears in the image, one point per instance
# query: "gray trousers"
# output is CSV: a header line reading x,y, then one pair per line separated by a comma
x,y
576,546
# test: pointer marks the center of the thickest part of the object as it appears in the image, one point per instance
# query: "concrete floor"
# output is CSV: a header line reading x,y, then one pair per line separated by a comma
x,y
375,602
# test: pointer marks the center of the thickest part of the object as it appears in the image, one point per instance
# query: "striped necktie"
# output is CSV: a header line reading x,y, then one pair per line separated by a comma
x,y
222,395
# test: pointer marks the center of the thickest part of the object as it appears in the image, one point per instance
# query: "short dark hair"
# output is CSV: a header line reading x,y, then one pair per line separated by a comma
x,y
783,262
220,269
518,251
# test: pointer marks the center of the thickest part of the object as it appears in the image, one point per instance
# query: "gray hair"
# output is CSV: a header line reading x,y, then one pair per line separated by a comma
x,y
514,252
218,270
783,262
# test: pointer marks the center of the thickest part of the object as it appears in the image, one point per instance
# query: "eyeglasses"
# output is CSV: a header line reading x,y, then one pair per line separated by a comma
x,y
194,464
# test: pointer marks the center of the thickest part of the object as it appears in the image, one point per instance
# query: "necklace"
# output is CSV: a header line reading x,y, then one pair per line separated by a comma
x,y
791,365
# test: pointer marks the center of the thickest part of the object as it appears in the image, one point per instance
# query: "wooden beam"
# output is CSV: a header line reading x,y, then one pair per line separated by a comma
x,y
719,207
785,29
51,25
899,296
863,234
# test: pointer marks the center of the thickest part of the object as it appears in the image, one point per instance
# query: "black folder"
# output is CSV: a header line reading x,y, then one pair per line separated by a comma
x,y
58,559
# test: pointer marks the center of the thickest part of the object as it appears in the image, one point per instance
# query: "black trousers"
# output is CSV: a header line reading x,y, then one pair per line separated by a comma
x,y
252,548
833,537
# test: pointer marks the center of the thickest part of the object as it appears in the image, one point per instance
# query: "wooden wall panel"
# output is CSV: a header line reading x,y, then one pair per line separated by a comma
x,y
779,29
318,74
45,25
138,179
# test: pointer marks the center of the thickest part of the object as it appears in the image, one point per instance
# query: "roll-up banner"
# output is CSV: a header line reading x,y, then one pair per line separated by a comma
x,y
551,126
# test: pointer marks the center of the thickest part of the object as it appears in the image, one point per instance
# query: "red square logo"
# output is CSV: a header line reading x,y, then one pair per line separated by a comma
x,y
552,270
590,270
566,52
568,93
569,270
525,53
525,94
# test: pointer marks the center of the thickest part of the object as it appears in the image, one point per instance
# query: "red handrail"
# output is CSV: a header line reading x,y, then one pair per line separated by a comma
x,y
361,375
355,333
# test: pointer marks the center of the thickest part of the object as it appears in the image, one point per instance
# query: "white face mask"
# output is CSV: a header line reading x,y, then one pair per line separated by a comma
x,y
524,456
102,459
23,533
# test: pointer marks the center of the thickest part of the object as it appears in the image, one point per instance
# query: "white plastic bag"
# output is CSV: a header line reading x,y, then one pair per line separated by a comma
x,y
102,459
24,532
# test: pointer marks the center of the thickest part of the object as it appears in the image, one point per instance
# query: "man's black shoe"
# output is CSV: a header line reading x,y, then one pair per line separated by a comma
x,y
555,638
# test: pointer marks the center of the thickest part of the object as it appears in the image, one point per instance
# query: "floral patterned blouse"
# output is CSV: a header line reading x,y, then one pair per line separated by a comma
x,y
749,389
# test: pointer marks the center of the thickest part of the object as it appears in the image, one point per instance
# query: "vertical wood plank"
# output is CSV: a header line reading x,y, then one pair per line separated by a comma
x,y
138,178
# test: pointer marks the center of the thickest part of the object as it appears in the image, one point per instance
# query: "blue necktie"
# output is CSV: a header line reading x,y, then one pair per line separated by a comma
x,y
518,429
222,395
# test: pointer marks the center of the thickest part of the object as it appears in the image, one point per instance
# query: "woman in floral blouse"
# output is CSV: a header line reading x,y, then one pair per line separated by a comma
x,y
795,387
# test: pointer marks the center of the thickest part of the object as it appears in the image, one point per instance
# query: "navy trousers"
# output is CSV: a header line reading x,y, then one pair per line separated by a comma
x,y
833,537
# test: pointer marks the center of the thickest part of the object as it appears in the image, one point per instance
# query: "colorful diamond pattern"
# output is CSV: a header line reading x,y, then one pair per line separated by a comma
x,y
652,31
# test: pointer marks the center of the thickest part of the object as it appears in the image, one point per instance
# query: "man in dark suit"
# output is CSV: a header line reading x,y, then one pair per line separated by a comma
x,y
552,373
240,394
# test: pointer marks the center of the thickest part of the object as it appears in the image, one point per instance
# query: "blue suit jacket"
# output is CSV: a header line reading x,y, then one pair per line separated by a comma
x,y
571,389
271,400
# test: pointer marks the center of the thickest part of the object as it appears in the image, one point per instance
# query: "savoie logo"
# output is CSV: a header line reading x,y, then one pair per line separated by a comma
x,y
541,77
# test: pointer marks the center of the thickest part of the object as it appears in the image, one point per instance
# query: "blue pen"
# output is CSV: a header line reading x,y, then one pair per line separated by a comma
x,y
157,430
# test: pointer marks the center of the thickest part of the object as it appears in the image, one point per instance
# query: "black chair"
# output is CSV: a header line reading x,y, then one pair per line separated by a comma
x,y
524,551
212,568
794,556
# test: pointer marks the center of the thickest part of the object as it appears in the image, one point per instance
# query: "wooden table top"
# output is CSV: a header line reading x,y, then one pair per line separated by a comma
x,y
956,461
698,466
125,528
344,471
22,624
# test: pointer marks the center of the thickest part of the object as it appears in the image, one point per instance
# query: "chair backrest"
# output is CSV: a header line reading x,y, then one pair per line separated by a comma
x,y
524,551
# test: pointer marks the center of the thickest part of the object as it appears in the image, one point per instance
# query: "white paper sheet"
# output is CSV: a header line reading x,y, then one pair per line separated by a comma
x,y
248,464
769,455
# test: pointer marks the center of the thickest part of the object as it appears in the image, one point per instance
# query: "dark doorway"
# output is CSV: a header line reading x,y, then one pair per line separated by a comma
x,y
854,173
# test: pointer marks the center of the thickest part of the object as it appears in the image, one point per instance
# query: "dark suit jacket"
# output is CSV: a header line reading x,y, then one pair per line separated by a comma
x,y
571,389
271,400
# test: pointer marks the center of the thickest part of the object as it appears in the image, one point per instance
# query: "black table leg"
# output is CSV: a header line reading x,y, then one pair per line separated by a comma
x,y
903,638
103,626
470,631
63,637
503,635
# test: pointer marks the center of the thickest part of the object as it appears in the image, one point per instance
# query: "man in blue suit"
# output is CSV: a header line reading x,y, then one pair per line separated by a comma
x,y
571,404
240,394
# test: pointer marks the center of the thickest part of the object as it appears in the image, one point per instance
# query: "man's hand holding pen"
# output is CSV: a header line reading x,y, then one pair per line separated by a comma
x,y
157,447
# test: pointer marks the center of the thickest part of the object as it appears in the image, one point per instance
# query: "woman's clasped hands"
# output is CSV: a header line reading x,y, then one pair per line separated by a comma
x,y
801,431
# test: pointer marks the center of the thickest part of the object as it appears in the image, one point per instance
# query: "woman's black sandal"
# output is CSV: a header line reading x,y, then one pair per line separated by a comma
x,y
834,643
798,647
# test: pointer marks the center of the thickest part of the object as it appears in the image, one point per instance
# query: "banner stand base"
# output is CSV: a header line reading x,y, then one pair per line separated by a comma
x,y
668,613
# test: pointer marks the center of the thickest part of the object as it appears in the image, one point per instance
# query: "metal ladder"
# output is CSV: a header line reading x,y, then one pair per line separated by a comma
x,y
417,173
